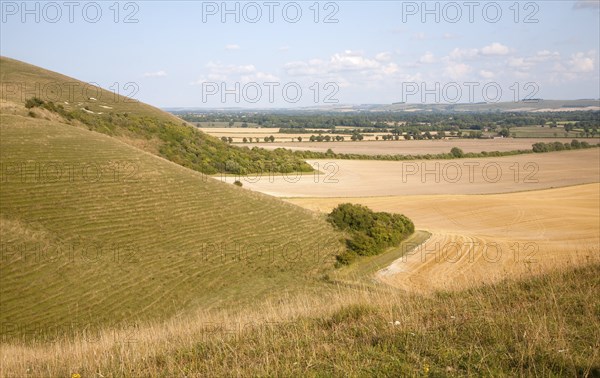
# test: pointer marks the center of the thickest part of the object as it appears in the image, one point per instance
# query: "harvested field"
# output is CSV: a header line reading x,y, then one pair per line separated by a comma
x,y
353,178
413,147
484,238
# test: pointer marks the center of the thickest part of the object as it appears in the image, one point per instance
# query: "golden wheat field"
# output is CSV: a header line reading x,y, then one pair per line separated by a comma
x,y
365,178
484,238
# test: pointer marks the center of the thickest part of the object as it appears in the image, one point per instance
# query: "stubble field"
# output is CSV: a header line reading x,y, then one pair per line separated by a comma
x,y
366,178
484,238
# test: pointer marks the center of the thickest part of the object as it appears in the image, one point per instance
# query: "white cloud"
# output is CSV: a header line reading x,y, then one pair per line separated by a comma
x,y
383,56
520,63
160,73
349,60
427,58
460,54
457,70
495,49
230,68
232,47
545,55
338,62
284,48
232,74
259,77
349,69
390,69
581,63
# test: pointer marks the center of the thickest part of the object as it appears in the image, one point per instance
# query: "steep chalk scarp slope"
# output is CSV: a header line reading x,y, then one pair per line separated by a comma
x,y
95,232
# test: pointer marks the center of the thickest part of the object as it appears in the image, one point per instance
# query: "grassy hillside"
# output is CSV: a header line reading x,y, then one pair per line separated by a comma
x,y
543,326
71,101
96,232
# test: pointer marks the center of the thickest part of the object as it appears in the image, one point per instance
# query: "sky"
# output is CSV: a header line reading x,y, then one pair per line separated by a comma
x,y
273,54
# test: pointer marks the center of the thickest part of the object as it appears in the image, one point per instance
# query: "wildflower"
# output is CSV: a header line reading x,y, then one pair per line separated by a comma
x,y
426,368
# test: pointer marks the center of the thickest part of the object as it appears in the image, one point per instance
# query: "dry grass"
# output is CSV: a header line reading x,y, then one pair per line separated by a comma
x,y
525,327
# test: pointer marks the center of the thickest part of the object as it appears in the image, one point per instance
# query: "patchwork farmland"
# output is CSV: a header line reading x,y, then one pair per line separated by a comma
x,y
207,189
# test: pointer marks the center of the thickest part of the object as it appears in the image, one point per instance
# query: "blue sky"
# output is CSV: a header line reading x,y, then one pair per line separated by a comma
x,y
182,54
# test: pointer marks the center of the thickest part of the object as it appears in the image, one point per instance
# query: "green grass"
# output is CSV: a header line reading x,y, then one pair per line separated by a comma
x,y
141,241
542,132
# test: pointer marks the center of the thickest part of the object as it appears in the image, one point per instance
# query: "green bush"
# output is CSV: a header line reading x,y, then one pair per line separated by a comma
x,y
457,152
370,232
34,102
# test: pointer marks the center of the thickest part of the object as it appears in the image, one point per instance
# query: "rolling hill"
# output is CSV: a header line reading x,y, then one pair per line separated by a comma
x,y
67,100
96,231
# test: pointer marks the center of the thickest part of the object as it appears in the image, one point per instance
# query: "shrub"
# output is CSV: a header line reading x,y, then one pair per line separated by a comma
x,y
370,232
238,183
457,152
34,102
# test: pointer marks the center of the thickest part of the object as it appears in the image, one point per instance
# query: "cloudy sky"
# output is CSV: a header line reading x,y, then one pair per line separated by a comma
x,y
288,54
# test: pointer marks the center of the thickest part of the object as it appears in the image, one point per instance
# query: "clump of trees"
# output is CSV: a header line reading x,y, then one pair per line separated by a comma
x,y
184,145
369,233
457,152
558,146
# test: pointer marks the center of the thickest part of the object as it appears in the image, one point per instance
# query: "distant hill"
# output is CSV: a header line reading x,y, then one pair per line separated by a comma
x,y
481,107
522,106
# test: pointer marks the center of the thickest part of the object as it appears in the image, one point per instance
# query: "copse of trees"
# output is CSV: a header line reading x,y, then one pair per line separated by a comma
x,y
369,233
